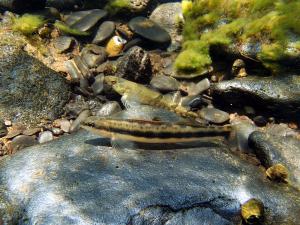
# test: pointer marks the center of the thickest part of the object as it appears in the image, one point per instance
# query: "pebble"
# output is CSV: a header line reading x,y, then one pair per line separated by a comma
x,y
214,115
196,89
82,67
65,125
149,30
22,141
196,103
56,131
105,31
63,43
85,20
73,70
109,109
76,123
97,86
8,123
45,137
93,55
164,83
260,121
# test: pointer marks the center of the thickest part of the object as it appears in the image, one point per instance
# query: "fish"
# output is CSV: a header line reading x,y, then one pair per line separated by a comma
x,y
149,131
138,93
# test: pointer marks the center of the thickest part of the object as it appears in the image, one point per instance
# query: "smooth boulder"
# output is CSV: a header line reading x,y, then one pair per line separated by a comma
x,y
78,179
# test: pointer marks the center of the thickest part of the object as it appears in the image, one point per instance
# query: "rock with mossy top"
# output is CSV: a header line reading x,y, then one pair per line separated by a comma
x,y
29,91
262,30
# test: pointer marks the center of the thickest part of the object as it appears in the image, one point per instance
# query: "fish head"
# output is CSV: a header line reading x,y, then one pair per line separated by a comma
x,y
117,83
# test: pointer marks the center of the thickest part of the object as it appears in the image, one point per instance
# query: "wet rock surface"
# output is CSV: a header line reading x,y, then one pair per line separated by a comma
x,y
273,149
269,93
52,183
29,91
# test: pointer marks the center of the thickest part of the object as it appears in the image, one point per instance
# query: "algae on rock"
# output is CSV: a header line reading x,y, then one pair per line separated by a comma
x,y
273,26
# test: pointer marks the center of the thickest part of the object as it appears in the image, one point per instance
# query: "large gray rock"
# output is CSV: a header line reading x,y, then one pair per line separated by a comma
x,y
29,91
78,180
279,95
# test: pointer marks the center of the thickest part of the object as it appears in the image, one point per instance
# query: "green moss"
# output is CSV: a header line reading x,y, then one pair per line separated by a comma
x,y
66,29
223,22
28,24
114,6
189,61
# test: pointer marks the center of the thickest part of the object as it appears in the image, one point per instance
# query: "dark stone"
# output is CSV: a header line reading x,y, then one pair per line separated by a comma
x,y
29,91
149,30
77,179
260,121
105,31
279,95
63,43
135,65
85,20
272,149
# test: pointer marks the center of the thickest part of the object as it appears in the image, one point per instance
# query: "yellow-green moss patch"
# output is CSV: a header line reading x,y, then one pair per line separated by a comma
x,y
28,24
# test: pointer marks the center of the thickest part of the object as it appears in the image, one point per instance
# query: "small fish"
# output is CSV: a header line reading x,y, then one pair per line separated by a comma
x,y
138,93
115,46
145,131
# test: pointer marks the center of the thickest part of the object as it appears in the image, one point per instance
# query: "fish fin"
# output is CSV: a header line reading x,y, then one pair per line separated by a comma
x,y
119,144
129,102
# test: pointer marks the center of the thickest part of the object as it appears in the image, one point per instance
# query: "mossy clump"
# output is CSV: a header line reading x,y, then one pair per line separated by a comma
x,y
271,23
68,30
115,6
28,24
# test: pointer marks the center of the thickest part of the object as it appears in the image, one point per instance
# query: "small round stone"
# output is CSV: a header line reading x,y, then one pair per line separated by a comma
x,y
45,137
57,131
164,83
108,109
63,43
65,125
105,31
260,121
214,115
149,30
97,86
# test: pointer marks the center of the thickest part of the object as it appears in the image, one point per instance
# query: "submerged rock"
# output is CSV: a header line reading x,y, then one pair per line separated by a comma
x,y
29,91
85,20
78,180
279,94
167,16
149,30
135,65
275,149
